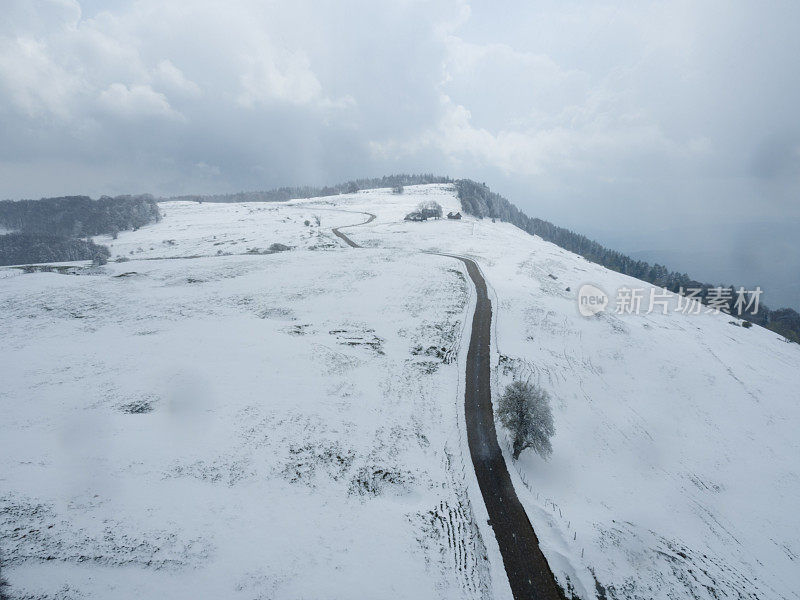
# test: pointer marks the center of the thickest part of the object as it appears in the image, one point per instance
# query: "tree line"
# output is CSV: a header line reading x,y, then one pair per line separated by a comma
x,y
396,182
26,248
478,200
76,216
51,229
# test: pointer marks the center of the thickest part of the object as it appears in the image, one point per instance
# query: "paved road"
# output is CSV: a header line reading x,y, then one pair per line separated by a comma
x,y
527,570
347,240
528,573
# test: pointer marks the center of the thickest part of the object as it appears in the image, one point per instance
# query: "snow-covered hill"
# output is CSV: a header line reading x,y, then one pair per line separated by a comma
x,y
214,419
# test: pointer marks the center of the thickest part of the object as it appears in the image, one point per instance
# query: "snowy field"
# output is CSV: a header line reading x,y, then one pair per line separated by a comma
x,y
215,419
266,426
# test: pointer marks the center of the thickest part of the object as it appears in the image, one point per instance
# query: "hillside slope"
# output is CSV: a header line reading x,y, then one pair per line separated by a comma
x,y
216,419
675,457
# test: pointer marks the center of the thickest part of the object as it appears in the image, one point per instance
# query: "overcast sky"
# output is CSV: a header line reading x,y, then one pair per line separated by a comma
x,y
668,128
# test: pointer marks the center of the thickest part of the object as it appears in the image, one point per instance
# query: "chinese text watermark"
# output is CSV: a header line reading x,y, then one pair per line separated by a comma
x,y
689,301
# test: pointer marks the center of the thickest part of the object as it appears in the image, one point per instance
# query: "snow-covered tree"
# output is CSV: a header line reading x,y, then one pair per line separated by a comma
x,y
430,209
524,409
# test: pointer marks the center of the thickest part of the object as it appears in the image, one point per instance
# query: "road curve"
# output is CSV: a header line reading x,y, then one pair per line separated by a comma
x,y
347,240
526,568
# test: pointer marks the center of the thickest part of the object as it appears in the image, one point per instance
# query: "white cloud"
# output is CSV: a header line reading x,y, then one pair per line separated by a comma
x,y
137,101
36,84
38,17
523,114
172,78
271,76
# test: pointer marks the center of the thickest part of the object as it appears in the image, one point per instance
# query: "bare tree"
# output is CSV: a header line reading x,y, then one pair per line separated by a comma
x,y
524,409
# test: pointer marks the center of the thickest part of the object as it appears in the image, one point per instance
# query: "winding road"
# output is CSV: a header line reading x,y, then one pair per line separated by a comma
x,y
528,573
347,240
